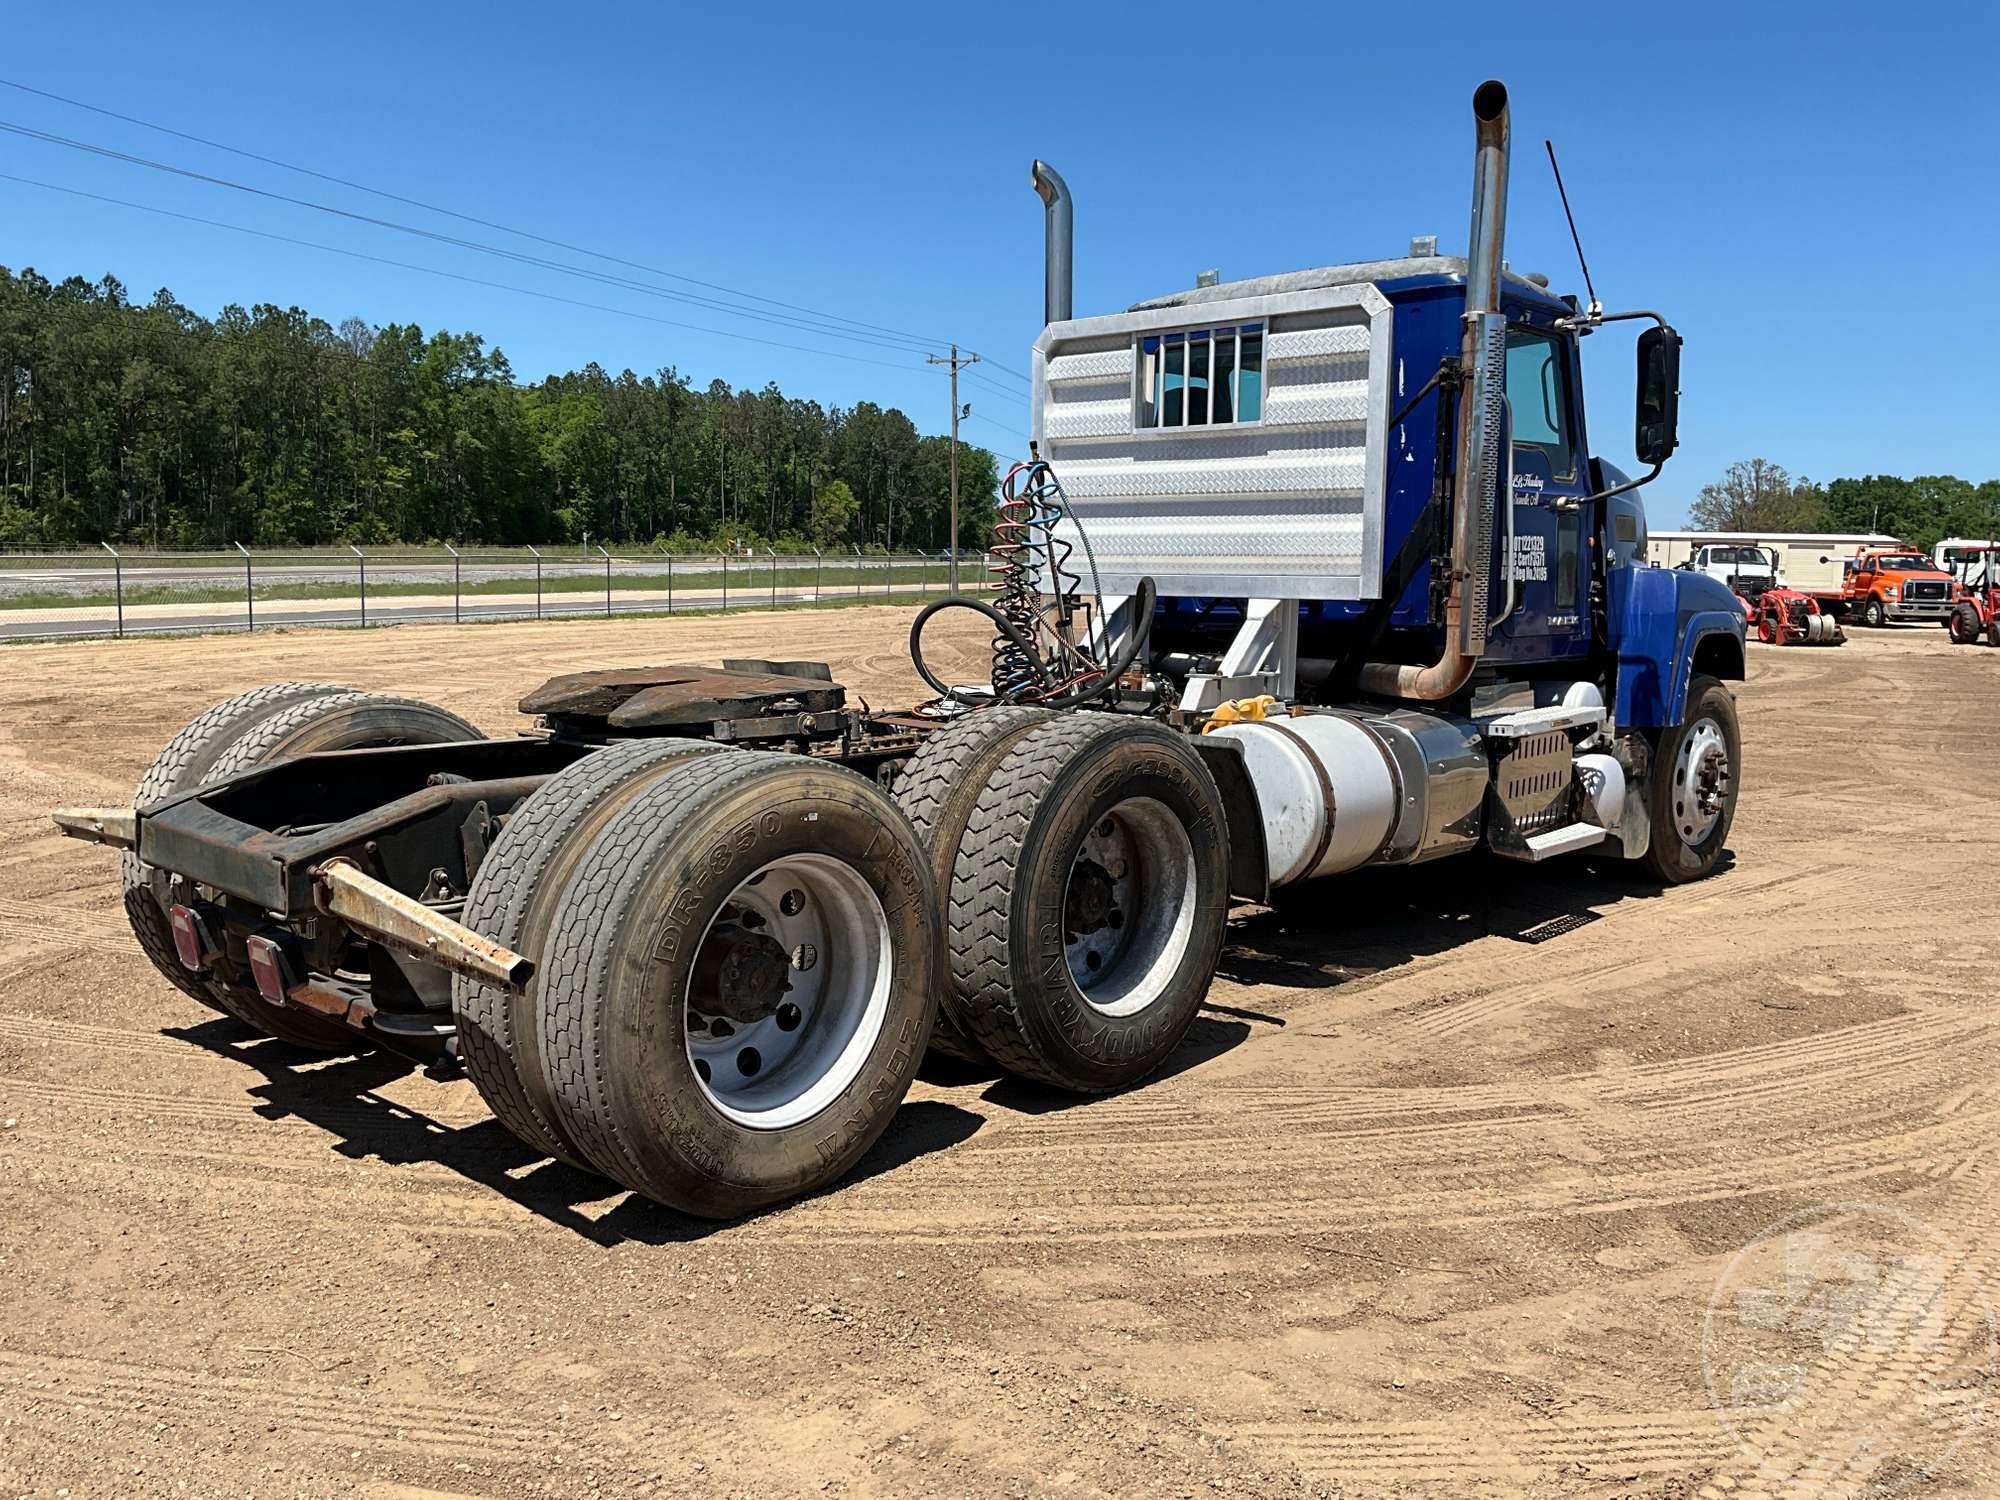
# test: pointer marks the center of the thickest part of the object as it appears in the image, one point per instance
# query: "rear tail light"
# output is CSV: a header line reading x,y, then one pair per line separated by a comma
x,y
268,968
190,938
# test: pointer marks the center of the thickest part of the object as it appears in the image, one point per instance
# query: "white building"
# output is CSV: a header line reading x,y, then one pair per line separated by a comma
x,y
1806,559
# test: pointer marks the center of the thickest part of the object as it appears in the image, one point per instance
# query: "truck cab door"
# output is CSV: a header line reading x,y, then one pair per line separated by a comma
x,y
1549,565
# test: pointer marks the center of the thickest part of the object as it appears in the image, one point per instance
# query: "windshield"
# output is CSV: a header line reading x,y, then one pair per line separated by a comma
x,y
1749,555
1905,562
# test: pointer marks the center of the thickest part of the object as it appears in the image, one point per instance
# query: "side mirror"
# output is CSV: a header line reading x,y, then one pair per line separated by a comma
x,y
1656,432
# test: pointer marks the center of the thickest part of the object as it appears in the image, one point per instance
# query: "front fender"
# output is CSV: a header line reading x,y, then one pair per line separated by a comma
x,y
1663,623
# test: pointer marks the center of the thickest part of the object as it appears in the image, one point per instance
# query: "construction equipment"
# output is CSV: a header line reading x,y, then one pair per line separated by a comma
x,y
1779,614
1975,605
1783,616
696,930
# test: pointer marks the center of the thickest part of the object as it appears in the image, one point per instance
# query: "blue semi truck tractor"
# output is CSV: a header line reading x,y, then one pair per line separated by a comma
x,y
1303,576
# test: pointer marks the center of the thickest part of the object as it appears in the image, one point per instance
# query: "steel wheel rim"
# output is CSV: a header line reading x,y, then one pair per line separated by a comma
x,y
1129,903
1701,781
781,1067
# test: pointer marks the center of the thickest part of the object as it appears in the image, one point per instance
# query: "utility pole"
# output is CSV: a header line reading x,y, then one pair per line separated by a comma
x,y
955,361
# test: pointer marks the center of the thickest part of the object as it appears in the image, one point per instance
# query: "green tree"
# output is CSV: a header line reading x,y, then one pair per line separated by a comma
x,y
149,423
834,510
1757,495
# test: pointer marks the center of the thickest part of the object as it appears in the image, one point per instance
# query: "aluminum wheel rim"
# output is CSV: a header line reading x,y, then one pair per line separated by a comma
x,y
783,1067
1129,906
1701,781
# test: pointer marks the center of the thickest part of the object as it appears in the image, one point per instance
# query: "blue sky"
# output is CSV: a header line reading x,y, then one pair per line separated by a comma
x,y
1809,192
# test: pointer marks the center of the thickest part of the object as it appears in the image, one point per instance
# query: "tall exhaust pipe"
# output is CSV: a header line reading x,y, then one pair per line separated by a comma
x,y
1058,236
1481,424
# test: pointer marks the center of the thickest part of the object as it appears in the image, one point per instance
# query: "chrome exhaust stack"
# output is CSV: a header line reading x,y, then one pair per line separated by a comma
x,y
1481,424
1058,242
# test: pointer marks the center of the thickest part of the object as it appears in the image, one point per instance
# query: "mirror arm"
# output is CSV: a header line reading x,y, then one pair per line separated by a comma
x,y
1619,489
1584,322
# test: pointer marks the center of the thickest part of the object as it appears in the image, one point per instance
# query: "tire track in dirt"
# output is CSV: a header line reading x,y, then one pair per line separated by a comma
x,y
245,1111
1891,1083
1562,973
81,1034
1430,1453
1561,1158
35,1385
67,926
1906,1370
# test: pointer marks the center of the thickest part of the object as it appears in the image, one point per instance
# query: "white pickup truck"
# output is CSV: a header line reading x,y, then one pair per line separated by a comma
x,y
1738,566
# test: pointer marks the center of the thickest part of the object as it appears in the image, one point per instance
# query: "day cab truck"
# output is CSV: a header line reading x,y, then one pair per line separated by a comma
x,y
1308,575
1889,585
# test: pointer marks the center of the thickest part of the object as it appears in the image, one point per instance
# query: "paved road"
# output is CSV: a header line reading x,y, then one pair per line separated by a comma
x,y
87,581
23,625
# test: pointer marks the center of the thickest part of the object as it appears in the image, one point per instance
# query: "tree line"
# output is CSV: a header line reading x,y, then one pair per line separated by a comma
x,y
1758,495
148,423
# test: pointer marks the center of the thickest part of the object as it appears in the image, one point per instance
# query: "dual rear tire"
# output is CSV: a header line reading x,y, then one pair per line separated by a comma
x,y
236,735
1087,892
736,963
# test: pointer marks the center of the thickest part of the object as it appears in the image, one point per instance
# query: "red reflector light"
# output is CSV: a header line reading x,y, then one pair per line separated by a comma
x,y
267,967
190,942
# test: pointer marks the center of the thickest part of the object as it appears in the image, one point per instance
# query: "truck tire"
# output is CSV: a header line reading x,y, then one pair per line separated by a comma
x,y
790,894
1963,626
339,720
181,767
342,721
1087,902
1873,615
513,899
937,791
1697,771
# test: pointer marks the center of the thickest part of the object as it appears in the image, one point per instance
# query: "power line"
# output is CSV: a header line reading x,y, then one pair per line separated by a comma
x,y
603,278
502,286
1005,369
449,213
999,390
1004,427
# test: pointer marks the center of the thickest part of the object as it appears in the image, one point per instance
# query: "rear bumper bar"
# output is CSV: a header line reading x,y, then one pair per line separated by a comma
x,y
400,814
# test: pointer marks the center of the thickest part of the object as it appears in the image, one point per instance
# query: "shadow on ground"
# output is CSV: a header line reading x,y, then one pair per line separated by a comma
x,y
1332,932
325,1092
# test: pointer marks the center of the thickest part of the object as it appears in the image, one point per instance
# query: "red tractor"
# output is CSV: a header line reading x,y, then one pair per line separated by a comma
x,y
1781,615
1975,605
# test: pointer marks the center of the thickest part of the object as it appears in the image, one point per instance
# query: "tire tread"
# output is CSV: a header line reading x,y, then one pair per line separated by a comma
x,y
510,882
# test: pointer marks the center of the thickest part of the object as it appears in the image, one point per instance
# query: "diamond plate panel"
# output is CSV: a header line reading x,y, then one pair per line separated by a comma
x,y
1109,364
1089,419
1316,343
1292,503
1339,401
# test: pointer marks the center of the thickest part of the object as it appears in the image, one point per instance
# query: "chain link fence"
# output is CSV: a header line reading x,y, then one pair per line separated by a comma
x,y
124,591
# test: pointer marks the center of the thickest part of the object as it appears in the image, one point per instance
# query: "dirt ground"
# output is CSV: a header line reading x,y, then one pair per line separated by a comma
x,y
1439,1196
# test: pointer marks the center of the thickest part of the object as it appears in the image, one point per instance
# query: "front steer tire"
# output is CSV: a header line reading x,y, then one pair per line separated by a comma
x,y
1687,839
1087,902
684,900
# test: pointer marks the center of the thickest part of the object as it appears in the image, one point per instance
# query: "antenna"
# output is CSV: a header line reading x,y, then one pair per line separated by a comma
x,y
1596,307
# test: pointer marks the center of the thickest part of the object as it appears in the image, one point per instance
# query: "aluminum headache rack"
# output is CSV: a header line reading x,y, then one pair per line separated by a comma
x,y
1234,448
